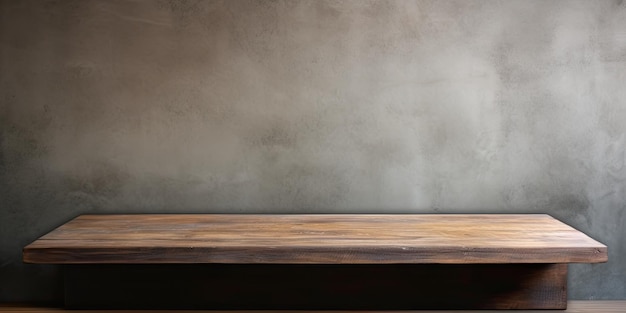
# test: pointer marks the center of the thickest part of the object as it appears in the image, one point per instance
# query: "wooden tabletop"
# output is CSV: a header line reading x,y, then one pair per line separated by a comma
x,y
315,239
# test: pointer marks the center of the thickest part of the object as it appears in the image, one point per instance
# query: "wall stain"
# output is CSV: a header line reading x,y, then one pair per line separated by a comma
x,y
572,208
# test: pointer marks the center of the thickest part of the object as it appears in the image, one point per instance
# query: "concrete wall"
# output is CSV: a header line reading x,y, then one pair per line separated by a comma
x,y
311,106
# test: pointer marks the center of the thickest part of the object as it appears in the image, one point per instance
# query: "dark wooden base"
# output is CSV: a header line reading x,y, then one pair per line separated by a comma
x,y
317,287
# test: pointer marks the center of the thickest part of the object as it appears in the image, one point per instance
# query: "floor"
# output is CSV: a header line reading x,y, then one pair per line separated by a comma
x,y
573,307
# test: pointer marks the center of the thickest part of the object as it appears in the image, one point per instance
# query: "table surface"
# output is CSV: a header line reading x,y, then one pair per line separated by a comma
x,y
315,239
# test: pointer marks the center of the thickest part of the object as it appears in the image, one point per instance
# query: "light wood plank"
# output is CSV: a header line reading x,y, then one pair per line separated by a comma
x,y
341,239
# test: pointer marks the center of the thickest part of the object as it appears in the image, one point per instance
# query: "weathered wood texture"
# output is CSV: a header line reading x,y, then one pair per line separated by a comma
x,y
316,286
315,239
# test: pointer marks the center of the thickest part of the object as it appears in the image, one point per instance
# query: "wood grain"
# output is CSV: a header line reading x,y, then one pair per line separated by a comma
x,y
315,239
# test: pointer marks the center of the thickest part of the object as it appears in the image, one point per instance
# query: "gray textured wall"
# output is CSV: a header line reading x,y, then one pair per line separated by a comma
x,y
311,106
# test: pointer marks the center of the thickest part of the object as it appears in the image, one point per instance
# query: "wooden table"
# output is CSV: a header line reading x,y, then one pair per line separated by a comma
x,y
316,261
